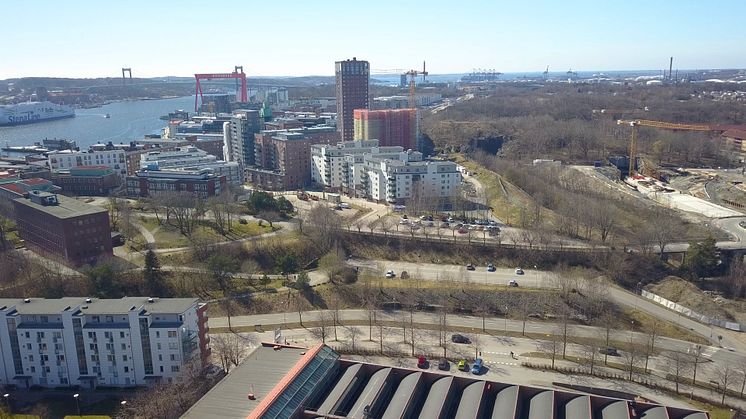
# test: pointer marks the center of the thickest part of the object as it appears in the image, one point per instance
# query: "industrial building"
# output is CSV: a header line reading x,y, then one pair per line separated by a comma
x,y
111,157
87,180
391,127
203,183
352,78
64,228
384,174
90,342
283,382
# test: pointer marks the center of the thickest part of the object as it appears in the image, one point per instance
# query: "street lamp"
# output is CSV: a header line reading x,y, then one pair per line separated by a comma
x,y
6,397
506,319
76,396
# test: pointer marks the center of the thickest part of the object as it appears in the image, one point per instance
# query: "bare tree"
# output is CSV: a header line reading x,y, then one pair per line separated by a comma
x,y
724,374
608,320
696,355
230,349
590,352
652,336
353,333
335,315
324,320
631,357
676,364
550,346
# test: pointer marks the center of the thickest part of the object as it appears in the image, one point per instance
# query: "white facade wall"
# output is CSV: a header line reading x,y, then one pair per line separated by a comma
x,y
47,351
66,159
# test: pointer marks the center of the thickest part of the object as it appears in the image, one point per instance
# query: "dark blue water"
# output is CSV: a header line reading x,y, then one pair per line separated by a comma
x,y
130,120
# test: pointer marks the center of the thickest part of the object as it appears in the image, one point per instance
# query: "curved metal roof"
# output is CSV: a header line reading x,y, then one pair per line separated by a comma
x,y
340,391
698,415
471,400
436,398
541,406
658,412
579,408
506,403
370,393
615,410
402,399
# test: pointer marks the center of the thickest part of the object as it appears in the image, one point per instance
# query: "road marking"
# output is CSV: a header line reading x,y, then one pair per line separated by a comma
x,y
497,353
514,364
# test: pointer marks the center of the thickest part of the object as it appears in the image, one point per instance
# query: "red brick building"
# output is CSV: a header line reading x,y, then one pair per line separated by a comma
x,y
352,78
391,127
65,228
202,182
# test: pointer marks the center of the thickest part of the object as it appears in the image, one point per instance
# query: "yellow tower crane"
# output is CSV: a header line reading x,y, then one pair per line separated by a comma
x,y
636,123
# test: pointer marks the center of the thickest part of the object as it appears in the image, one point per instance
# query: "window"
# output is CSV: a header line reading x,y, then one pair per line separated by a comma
x,y
161,368
157,334
33,369
91,335
172,333
173,346
160,357
173,357
124,358
126,369
45,319
124,347
31,358
121,335
159,346
174,368
57,335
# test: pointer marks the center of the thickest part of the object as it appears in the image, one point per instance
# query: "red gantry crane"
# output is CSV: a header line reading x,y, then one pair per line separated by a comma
x,y
238,74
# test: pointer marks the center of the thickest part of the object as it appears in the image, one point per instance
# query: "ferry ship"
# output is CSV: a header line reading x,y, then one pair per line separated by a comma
x,y
33,112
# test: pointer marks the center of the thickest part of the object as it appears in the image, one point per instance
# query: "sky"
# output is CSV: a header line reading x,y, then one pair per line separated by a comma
x,y
81,38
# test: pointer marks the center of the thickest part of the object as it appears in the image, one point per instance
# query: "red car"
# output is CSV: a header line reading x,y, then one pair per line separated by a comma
x,y
422,362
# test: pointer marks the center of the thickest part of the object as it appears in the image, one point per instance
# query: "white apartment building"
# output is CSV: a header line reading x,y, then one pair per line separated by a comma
x,y
384,174
114,159
86,342
192,158
328,161
395,181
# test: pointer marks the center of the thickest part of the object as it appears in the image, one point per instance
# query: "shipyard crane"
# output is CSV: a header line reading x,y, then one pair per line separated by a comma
x,y
237,74
636,123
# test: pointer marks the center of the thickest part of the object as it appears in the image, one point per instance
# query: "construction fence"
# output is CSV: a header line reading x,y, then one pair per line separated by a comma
x,y
692,314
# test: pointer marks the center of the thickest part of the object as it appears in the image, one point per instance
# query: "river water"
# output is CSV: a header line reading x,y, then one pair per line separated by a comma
x,y
129,121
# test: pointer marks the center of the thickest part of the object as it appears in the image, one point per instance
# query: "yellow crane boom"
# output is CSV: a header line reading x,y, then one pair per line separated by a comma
x,y
635,123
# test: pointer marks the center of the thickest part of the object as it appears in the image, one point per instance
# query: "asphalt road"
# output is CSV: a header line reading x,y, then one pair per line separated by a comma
x,y
542,279
272,320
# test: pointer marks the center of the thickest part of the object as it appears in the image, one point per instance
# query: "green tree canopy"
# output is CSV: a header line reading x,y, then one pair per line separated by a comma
x,y
702,258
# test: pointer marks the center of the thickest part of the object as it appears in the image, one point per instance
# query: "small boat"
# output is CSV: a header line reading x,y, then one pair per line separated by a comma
x,y
107,116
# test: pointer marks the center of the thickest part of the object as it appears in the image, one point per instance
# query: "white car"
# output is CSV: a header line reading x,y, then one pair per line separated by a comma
x,y
344,205
390,274
518,271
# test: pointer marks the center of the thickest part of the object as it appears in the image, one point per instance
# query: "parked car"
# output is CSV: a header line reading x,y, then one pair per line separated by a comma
x,y
609,351
459,338
422,362
491,268
513,283
518,271
470,267
443,364
477,367
344,205
390,274
463,365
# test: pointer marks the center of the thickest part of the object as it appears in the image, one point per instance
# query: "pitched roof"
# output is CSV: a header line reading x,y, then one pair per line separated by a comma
x,y
735,133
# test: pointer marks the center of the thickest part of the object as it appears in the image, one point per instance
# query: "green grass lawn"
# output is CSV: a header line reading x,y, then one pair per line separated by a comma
x,y
168,235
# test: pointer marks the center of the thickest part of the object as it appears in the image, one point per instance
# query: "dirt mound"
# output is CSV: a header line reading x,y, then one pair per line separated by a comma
x,y
687,294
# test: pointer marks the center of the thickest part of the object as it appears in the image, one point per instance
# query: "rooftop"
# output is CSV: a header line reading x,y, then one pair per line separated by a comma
x,y
97,305
285,380
259,373
67,207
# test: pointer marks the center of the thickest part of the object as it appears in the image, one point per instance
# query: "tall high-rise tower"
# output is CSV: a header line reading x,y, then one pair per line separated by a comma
x,y
352,93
